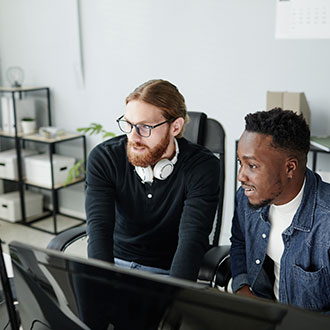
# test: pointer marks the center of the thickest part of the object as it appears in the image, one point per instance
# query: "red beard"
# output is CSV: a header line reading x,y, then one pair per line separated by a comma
x,y
150,156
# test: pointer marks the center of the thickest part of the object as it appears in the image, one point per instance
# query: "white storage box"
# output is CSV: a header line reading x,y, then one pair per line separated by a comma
x,y
8,163
38,169
10,205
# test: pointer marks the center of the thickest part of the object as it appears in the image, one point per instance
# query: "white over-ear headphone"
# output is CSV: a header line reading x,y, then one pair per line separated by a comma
x,y
161,170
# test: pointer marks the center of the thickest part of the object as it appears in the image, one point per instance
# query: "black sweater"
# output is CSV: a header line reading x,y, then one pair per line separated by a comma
x,y
165,224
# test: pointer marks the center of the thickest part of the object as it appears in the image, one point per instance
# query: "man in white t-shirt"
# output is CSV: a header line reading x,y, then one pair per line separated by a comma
x,y
281,226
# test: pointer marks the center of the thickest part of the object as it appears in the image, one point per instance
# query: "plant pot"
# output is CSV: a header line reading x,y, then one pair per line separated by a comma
x,y
28,126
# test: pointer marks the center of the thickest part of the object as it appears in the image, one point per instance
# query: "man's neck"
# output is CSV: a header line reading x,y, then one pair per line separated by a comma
x,y
293,188
170,151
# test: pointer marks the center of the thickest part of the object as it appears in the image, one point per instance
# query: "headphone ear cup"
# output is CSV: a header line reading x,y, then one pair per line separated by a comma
x,y
145,173
163,169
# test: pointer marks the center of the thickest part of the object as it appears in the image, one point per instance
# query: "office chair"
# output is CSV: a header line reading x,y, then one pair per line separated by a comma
x,y
215,269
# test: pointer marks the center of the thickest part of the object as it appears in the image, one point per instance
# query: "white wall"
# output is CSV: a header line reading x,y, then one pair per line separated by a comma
x,y
221,54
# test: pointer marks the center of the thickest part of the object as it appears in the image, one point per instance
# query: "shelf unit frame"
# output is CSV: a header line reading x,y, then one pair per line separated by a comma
x,y
19,140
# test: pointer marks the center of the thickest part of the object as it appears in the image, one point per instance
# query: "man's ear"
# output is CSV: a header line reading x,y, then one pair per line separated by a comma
x,y
176,126
291,167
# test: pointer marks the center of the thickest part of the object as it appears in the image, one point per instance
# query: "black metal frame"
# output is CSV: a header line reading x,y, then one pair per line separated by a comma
x,y
51,143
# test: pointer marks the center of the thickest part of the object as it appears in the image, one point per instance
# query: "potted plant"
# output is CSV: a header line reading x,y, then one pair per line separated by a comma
x,y
79,168
28,125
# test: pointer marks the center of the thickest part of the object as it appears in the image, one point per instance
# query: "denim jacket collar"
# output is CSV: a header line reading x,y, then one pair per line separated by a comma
x,y
304,217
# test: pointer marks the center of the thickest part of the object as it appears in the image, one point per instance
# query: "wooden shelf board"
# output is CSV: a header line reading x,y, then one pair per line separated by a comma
x,y
19,89
39,138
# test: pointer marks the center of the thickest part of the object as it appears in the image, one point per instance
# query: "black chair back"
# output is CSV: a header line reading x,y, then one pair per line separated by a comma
x,y
210,133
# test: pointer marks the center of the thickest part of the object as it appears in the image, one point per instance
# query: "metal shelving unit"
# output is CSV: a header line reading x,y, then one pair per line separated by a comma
x,y
20,139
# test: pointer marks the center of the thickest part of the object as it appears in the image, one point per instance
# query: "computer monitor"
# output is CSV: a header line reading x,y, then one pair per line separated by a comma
x,y
58,291
8,315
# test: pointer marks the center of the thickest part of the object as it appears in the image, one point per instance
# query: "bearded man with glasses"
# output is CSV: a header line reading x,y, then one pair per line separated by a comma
x,y
151,195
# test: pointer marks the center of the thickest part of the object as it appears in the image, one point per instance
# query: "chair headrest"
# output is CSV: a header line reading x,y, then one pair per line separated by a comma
x,y
195,129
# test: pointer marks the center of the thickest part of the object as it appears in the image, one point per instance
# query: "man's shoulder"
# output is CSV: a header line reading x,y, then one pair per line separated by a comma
x,y
323,196
114,144
109,151
322,189
197,162
195,152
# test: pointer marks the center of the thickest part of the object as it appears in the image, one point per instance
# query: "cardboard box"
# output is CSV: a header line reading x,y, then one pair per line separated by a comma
x,y
8,163
38,169
296,102
10,205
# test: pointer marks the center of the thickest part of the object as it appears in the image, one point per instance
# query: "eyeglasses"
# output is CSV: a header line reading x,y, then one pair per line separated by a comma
x,y
142,129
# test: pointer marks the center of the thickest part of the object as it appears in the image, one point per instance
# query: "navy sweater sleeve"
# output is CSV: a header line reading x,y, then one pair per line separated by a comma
x,y
202,189
100,206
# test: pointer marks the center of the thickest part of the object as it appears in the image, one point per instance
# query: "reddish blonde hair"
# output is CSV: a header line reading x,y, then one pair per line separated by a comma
x,y
163,95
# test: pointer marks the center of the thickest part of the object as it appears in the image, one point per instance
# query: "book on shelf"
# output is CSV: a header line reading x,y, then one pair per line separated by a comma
x,y
321,142
24,108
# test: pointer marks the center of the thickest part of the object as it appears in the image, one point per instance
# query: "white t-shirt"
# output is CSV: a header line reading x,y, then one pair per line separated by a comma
x,y
280,217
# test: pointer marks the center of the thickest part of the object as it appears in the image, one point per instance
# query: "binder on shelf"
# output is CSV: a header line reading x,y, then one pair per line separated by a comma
x,y
24,108
321,142
5,114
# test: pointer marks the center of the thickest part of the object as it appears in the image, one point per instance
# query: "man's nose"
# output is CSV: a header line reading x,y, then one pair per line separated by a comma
x,y
134,135
241,177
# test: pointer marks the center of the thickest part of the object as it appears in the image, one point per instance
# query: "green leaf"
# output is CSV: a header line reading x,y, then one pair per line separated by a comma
x,y
75,171
108,135
84,130
69,178
96,128
79,169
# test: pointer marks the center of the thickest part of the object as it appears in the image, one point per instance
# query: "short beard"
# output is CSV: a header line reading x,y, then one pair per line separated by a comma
x,y
260,205
151,156
266,201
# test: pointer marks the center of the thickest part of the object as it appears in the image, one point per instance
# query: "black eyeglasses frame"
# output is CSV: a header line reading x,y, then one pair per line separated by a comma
x,y
137,126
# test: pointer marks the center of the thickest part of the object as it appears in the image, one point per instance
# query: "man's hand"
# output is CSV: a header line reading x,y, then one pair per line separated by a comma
x,y
245,291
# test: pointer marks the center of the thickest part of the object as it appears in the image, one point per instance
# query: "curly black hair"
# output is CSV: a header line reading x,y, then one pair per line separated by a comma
x,y
289,130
